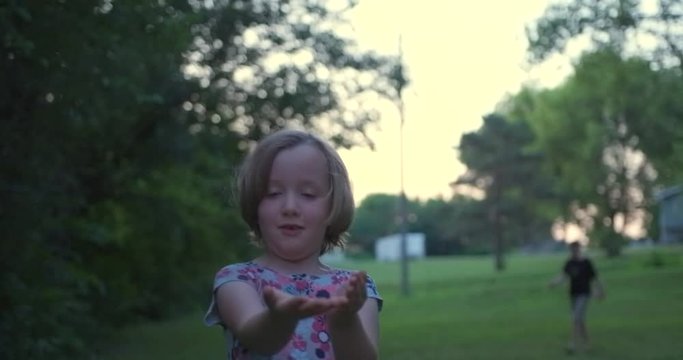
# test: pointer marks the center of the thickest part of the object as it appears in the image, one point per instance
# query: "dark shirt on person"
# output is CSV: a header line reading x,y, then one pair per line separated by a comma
x,y
581,273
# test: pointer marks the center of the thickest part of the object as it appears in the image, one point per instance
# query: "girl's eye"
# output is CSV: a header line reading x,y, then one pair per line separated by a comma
x,y
309,193
273,193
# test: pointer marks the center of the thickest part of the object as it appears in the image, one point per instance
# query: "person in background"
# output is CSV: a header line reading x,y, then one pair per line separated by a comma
x,y
583,282
295,196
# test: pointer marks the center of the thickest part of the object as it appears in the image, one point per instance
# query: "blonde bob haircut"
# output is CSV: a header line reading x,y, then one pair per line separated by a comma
x,y
254,174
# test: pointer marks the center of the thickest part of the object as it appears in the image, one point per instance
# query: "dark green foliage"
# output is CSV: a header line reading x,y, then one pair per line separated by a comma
x,y
454,226
608,136
442,225
376,216
95,167
611,24
643,83
115,177
266,64
87,114
611,133
501,163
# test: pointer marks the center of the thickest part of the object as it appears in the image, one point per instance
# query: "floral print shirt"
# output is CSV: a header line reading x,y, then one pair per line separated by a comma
x,y
310,339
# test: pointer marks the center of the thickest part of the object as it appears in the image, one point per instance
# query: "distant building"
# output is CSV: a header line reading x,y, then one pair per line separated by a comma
x,y
388,248
670,214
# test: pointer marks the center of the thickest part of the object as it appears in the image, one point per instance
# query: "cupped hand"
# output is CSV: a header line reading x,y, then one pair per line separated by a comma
x,y
353,295
298,307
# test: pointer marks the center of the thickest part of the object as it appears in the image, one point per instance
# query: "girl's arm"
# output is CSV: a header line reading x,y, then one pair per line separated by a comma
x,y
264,325
356,336
354,326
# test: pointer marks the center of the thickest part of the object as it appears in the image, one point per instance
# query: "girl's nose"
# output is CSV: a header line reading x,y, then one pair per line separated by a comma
x,y
290,205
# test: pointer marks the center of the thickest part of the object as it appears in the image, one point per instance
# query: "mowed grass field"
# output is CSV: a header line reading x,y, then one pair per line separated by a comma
x,y
459,308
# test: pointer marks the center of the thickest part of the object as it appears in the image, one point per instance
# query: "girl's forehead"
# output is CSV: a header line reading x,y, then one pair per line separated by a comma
x,y
301,162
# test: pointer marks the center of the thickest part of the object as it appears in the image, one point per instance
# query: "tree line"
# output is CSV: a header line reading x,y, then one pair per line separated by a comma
x,y
122,125
592,151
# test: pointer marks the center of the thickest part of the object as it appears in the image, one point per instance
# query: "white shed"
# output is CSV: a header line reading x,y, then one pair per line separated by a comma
x,y
388,248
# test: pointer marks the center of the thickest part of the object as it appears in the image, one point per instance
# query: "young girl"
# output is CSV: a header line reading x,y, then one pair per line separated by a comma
x,y
295,195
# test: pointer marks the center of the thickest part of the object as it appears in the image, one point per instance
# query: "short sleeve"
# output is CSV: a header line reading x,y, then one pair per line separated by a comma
x,y
371,289
235,272
592,273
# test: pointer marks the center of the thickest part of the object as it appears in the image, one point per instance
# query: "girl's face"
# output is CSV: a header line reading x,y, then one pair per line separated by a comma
x,y
293,214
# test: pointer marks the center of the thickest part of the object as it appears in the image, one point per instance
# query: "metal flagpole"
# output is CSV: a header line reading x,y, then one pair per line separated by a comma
x,y
403,206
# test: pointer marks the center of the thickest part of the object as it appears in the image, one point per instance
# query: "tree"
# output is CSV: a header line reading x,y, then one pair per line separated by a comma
x,y
376,216
500,164
630,91
631,31
592,130
88,99
438,220
266,64
123,122
450,226
455,226
617,24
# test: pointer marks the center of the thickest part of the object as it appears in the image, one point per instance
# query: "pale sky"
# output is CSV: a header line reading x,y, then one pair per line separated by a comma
x,y
462,58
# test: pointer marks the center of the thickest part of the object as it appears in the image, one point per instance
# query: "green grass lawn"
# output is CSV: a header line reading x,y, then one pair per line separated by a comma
x,y
459,308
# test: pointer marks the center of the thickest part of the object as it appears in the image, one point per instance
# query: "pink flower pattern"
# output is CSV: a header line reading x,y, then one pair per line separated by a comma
x,y
311,339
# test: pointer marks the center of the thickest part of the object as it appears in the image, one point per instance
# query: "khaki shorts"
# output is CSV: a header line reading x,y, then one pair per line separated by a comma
x,y
579,304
